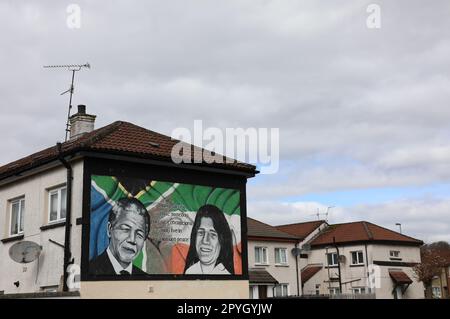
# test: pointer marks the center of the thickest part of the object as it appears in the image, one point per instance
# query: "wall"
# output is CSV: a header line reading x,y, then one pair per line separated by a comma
x,y
284,274
350,273
355,275
408,254
47,270
175,289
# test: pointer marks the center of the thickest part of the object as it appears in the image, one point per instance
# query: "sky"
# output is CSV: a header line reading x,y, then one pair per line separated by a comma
x,y
363,113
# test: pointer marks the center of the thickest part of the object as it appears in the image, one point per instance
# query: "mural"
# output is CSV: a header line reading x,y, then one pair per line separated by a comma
x,y
140,227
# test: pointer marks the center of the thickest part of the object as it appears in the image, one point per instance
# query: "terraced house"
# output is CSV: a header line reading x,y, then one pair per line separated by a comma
x,y
359,258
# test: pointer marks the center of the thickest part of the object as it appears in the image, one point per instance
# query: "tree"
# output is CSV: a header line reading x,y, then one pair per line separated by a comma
x,y
435,257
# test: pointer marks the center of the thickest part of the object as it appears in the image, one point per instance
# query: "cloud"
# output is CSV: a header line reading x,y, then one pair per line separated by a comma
x,y
357,108
425,218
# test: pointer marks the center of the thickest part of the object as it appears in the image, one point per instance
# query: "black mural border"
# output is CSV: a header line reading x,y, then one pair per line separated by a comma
x,y
108,167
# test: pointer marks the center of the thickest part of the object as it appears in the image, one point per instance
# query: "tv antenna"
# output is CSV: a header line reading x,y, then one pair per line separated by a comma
x,y
318,214
73,68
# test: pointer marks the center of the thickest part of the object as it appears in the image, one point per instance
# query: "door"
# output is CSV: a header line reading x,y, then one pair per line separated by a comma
x,y
262,292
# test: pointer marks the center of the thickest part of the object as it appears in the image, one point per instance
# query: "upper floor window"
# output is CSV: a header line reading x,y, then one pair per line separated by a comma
x,y
394,254
261,256
357,258
332,259
57,204
281,256
17,213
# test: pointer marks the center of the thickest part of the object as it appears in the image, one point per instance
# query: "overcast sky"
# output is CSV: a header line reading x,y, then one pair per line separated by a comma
x,y
363,113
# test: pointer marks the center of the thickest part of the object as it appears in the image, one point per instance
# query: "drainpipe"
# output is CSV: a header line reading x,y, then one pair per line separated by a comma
x,y
296,270
67,253
367,270
447,276
339,264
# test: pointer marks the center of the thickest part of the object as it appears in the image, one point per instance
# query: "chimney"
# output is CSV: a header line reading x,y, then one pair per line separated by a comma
x,y
81,123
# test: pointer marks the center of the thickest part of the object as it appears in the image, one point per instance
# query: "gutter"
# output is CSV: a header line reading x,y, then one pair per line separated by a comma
x,y
67,252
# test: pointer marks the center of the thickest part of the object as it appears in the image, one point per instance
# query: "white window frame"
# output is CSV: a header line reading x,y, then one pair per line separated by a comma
x,y
284,290
358,254
334,290
336,259
394,254
262,262
436,292
51,192
21,220
277,252
359,290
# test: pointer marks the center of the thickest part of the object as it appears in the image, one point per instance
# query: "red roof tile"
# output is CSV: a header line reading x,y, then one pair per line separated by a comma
x,y
301,230
361,232
255,228
400,277
119,138
308,272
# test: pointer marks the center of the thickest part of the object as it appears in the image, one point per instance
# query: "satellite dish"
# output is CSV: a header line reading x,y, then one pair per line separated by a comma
x,y
25,252
295,252
342,258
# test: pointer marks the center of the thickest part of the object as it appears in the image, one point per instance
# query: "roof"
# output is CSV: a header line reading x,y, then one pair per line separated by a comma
x,y
361,232
258,229
301,230
261,276
309,271
120,138
399,277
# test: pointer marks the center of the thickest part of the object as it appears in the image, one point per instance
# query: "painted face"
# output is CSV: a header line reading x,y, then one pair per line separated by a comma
x,y
207,243
127,236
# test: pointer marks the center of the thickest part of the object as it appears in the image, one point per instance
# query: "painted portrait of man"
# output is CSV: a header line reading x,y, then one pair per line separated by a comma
x,y
127,229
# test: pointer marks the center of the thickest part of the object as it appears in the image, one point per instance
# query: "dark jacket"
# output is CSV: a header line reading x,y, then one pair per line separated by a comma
x,y
103,266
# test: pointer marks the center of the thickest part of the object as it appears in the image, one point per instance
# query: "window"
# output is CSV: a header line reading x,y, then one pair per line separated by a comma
x,y
251,296
394,254
17,212
334,291
358,291
436,292
357,258
57,204
280,290
261,256
281,256
332,259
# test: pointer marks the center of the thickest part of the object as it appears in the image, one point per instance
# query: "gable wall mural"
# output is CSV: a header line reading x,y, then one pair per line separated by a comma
x,y
145,227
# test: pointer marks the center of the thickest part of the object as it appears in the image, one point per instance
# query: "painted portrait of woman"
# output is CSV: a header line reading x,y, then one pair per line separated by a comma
x,y
211,248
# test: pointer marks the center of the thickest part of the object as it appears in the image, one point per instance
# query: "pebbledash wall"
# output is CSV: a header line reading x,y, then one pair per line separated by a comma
x,y
46,273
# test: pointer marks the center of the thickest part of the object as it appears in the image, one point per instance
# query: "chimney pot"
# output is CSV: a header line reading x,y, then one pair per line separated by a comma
x,y
82,109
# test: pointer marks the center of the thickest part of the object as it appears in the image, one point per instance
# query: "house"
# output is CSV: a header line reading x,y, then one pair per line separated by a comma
x,y
110,207
362,258
273,262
